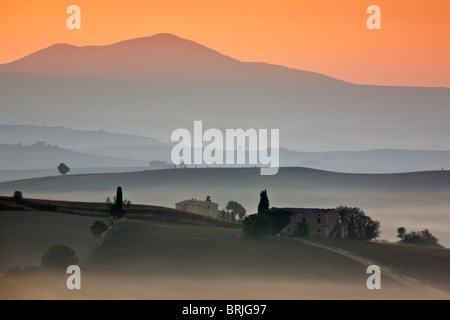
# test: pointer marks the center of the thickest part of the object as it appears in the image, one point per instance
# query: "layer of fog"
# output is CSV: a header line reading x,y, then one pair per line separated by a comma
x,y
179,287
413,201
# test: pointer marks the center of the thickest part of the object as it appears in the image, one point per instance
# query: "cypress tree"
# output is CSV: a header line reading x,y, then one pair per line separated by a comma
x,y
119,198
263,205
116,209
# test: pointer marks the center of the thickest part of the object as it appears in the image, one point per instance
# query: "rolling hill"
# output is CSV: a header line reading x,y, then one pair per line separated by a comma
x,y
142,260
411,200
69,138
26,235
16,157
140,150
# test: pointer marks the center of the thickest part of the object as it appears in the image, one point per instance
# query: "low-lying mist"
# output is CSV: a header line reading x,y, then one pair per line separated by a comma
x,y
413,200
97,286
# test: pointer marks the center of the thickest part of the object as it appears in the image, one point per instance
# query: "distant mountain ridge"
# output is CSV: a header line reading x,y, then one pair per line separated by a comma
x,y
148,86
140,59
69,138
119,150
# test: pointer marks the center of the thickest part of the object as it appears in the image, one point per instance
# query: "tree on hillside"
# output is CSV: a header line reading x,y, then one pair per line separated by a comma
x,y
256,225
424,238
234,209
263,205
119,197
17,196
98,227
110,202
359,226
116,210
401,232
63,169
59,257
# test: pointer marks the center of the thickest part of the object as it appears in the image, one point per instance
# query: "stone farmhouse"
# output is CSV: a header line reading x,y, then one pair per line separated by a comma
x,y
323,223
205,208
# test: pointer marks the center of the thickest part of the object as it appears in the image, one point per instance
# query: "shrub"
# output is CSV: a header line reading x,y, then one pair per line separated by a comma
x,y
98,227
63,168
279,219
256,225
59,257
16,271
424,238
17,196
116,211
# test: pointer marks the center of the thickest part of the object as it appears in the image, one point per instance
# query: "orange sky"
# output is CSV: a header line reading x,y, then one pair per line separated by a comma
x,y
326,36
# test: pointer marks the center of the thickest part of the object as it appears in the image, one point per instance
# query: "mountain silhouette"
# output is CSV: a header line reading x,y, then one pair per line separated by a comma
x,y
152,59
148,86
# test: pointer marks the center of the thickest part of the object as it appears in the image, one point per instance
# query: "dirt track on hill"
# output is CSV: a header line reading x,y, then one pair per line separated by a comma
x,y
389,272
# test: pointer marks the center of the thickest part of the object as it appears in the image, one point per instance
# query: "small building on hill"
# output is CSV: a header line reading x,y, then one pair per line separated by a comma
x,y
158,164
205,208
323,223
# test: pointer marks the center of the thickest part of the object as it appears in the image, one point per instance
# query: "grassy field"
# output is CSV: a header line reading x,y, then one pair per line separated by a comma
x,y
101,210
161,260
24,236
154,260
427,264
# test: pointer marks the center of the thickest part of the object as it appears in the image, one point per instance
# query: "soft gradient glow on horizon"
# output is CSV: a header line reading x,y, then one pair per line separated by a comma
x,y
324,36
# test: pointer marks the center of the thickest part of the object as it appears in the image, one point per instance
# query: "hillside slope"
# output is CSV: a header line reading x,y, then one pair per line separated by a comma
x,y
69,138
26,235
411,200
169,261
16,157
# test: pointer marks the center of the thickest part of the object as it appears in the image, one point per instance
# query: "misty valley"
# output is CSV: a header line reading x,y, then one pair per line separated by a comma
x,y
158,168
